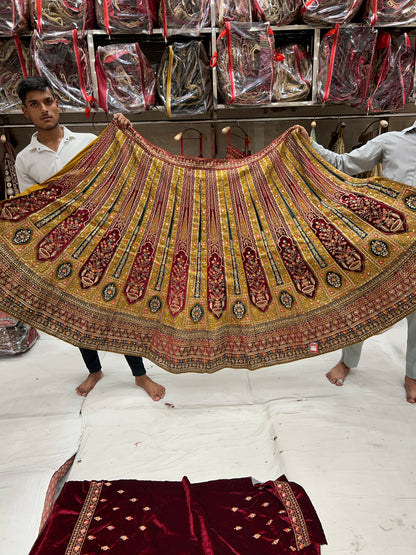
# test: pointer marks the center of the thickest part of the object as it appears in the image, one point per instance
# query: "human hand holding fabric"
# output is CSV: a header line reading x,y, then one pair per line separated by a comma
x,y
122,121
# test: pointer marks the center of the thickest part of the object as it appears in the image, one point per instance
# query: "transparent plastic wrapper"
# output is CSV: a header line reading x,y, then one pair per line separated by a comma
x,y
184,16
293,74
52,16
63,59
390,12
125,78
393,71
277,12
245,63
15,337
318,12
184,79
14,17
15,64
345,65
233,10
127,16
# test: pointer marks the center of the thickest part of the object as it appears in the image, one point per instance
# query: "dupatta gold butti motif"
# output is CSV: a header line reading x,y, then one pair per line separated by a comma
x,y
200,264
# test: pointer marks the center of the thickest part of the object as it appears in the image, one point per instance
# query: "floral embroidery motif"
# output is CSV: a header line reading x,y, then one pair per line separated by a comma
x,y
22,236
155,304
239,310
64,270
379,248
238,528
109,292
146,509
257,536
286,299
333,280
410,202
110,527
142,528
196,313
124,538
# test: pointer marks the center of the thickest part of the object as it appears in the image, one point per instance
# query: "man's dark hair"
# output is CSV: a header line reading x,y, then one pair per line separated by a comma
x,y
33,83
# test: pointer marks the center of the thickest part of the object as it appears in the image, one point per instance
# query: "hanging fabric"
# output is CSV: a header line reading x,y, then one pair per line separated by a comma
x,y
200,264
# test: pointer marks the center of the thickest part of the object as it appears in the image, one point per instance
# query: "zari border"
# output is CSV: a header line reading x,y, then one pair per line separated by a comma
x,y
294,512
85,517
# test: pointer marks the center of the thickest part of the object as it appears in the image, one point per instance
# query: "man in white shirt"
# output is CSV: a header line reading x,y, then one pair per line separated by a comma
x,y
396,151
51,147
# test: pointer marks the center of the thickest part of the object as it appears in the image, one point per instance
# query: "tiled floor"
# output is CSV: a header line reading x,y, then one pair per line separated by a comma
x,y
352,448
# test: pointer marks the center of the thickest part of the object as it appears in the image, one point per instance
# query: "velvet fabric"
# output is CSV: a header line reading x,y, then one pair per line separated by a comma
x,y
220,517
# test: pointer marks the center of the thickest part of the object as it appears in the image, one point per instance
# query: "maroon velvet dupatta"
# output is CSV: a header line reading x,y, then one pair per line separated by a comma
x,y
220,517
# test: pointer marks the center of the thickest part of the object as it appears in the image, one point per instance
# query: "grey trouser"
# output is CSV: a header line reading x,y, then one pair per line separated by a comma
x,y
351,355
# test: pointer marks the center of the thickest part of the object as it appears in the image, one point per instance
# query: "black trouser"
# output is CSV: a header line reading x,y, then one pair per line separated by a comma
x,y
92,361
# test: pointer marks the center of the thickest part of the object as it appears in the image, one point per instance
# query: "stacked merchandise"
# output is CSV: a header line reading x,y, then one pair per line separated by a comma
x,y
329,11
245,64
125,78
354,67
184,17
15,64
293,76
358,66
184,80
129,16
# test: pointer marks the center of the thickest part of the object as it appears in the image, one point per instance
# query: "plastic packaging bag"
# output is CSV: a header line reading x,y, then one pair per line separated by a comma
x,y
393,72
14,17
128,16
245,63
277,12
345,64
293,76
390,12
15,63
125,78
232,10
184,16
63,59
184,79
52,16
318,12
15,337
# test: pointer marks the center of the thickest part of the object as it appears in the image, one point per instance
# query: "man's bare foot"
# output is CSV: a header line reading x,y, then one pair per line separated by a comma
x,y
87,385
410,386
338,373
153,389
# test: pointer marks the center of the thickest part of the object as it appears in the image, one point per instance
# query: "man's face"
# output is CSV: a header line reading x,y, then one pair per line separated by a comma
x,y
42,109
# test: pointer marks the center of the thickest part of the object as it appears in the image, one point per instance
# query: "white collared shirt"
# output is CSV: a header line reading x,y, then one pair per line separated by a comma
x,y
37,162
395,150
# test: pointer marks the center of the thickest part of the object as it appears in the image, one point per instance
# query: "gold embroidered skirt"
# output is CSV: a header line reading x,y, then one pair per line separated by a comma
x,y
200,264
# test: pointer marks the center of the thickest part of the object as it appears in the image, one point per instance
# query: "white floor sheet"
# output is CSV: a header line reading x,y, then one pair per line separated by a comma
x,y
352,448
